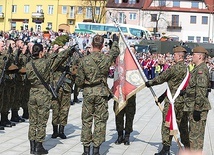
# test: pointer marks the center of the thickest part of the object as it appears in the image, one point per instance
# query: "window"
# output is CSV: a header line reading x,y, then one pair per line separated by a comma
x,y
132,1
176,3
162,3
64,9
153,17
191,38
14,8
192,19
116,1
198,39
205,39
136,32
122,17
132,16
195,4
204,20
50,9
175,20
39,9
50,25
97,11
13,25
0,8
80,10
88,12
26,8
71,12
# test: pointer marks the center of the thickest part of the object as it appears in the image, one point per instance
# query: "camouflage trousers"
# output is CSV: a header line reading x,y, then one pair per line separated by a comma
x,y
16,98
1,96
197,131
8,97
25,96
38,106
129,112
182,121
94,108
60,108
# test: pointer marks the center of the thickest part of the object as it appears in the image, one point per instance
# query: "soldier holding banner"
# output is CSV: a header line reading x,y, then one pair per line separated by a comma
x,y
92,76
177,77
128,111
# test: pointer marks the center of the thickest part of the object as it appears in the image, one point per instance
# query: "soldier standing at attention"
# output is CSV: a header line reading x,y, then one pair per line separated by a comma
x,y
60,107
39,102
92,76
2,62
129,112
174,76
196,98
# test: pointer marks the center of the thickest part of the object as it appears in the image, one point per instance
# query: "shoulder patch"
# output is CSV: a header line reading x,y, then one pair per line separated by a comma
x,y
200,72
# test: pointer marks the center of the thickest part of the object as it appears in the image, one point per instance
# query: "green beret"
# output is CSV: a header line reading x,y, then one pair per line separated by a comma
x,y
199,49
179,49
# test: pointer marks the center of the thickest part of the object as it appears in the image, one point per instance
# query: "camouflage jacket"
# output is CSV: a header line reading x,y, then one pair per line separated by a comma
x,y
92,79
196,97
174,77
44,67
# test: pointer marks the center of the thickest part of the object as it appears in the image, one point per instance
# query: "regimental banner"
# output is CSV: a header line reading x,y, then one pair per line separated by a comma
x,y
127,78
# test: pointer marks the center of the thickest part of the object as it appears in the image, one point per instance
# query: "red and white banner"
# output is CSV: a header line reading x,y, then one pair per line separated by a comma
x,y
127,78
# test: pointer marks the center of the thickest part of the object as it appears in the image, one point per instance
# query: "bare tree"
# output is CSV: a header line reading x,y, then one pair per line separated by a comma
x,y
98,10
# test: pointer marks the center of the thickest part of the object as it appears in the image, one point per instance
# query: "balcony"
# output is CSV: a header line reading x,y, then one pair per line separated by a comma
x,y
174,27
38,15
1,15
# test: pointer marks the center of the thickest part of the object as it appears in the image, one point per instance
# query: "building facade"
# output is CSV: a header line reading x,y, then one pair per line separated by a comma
x,y
181,20
49,14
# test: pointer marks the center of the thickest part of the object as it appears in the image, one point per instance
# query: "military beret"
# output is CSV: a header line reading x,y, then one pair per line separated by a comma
x,y
179,49
12,67
199,49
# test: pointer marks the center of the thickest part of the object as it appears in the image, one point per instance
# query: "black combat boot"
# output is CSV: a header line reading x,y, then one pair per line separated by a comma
x,y
86,150
96,150
165,151
5,122
61,132
25,114
32,146
120,138
15,117
55,131
126,139
39,149
1,127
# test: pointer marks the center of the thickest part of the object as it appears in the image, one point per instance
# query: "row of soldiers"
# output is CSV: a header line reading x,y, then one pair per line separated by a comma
x,y
14,87
25,71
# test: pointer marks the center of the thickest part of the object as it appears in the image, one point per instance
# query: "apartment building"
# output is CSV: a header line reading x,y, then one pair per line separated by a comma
x,y
48,14
186,20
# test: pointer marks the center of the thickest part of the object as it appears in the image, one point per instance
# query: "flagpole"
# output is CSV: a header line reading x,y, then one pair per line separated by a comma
x,y
141,72
137,63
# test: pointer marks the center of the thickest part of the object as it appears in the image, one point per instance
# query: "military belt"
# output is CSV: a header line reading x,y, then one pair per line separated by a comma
x,y
37,86
190,95
92,85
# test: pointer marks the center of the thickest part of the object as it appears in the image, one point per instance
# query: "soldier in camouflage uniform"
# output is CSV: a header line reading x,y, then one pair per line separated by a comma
x,y
11,69
92,76
39,102
60,107
174,77
2,62
128,112
196,98
18,81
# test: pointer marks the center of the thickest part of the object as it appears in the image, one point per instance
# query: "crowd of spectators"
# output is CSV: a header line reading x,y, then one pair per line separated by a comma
x,y
152,63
